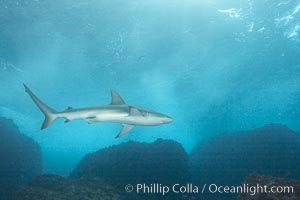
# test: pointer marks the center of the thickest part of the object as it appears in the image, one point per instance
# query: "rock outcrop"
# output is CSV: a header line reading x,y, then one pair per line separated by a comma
x,y
20,156
283,189
163,161
50,187
228,158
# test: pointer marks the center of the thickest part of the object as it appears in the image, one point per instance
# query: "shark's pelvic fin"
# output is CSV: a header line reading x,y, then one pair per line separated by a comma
x,y
125,129
116,99
50,114
90,119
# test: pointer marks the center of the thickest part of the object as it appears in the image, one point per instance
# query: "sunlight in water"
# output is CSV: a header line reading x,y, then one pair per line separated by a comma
x,y
213,66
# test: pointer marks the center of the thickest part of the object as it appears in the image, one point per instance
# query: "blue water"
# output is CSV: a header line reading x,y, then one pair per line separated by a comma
x,y
213,66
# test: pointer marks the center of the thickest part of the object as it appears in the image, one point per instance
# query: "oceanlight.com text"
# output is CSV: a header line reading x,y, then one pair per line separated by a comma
x,y
189,188
251,190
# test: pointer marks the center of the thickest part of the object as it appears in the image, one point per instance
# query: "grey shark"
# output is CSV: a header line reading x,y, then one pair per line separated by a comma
x,y
117,112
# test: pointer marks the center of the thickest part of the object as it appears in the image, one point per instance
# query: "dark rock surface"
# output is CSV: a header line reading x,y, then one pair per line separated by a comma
x,y
291,193
163,161
54,187
20,157
228,158
223,160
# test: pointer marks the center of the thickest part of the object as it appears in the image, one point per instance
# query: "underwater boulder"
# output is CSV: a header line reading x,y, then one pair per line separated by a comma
x,y
49,187
20,156
163,161
288,189
228,158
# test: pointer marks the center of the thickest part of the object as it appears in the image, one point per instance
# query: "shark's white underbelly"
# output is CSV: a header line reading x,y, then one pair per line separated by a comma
x,y
117,111
115,115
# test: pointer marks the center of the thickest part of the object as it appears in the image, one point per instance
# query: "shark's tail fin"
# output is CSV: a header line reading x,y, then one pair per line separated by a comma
x,y
50,114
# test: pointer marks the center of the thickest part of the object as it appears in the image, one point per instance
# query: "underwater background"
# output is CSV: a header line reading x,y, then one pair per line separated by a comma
x,y
214,66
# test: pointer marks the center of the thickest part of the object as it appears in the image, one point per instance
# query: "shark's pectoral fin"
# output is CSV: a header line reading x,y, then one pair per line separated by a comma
x,y
116,99
135,112
125,129
67,120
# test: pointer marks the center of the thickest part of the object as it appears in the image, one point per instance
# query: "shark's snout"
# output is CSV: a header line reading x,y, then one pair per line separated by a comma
x,y
167,119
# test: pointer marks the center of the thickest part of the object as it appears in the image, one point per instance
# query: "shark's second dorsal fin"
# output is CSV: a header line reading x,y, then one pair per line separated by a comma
x,y
116,99
69,108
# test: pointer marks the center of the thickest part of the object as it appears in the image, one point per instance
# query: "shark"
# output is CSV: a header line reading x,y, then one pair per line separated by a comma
x,y
116,112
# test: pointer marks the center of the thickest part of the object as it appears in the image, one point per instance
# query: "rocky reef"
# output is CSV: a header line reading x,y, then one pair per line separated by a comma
x,y
228,158
224,160
50,187
20,156
163,161
291,193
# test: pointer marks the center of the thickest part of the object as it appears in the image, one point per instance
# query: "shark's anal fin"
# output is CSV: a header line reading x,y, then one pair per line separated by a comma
x,y
116,99
125,129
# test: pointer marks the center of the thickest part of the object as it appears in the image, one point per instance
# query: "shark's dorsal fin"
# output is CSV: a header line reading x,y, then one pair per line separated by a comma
x,y
116,99
135,112
125,129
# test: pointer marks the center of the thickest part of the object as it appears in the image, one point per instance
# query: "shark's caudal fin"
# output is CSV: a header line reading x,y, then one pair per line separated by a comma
x,y
50,114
